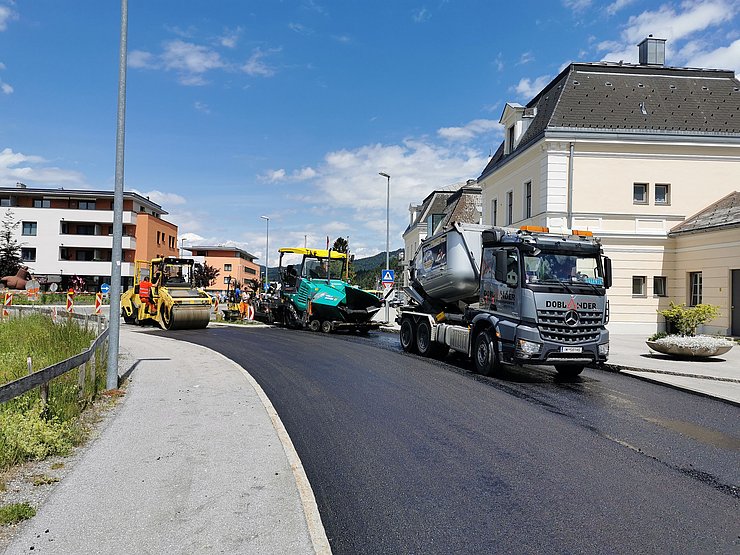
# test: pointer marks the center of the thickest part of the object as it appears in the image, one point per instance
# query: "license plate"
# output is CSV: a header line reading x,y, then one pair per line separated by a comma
x,y
571,349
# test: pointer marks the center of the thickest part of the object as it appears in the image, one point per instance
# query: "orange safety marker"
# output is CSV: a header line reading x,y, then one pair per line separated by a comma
x,y
98,302
215,305
8,302
70,301
54,314
250,312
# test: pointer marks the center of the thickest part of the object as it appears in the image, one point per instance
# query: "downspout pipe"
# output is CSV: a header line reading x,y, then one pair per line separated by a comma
x,y
570,185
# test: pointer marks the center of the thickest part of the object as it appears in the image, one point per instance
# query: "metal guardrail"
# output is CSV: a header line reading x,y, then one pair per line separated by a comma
x,y
41,378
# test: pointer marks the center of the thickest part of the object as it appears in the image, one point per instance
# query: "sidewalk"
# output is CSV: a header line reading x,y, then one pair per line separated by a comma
x,y
195,461
717,377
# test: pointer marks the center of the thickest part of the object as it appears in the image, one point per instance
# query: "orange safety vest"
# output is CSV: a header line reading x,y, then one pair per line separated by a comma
x,y
145,289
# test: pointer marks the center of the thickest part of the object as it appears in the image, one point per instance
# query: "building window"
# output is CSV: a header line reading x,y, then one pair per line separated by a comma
x,y
662,194
510,138
85,229
694,288
250,271
494,211
86,205
660,286
640,193
28,254
227,280
509,207
5,202
41,203
29,228
433,222
227,267
638,286
528,199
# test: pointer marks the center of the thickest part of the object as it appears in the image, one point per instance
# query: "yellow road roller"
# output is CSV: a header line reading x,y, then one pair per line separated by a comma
x,y
164,292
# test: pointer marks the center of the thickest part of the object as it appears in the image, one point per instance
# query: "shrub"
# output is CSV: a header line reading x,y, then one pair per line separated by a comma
x,y
656,336
687,319
13,514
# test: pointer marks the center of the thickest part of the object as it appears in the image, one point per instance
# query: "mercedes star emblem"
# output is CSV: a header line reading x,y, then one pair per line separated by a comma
x,y
571,318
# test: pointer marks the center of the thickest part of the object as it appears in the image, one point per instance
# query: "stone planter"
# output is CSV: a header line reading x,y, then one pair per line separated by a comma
x,y
678,350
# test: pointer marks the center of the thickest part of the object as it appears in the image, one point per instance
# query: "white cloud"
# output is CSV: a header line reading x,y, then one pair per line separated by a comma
x,y
576,5
300,28
18,167
469,131
499,62
190,58
141,59
525,58
230,38
161,198
528,89
7,89
421,15
725,57
617,5
303,174
256,67
202,107
6,15
675,25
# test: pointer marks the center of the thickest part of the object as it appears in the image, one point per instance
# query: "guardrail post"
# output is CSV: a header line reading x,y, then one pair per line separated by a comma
x,y
81,380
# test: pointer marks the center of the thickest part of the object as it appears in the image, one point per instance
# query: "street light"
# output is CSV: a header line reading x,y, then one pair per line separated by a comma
x,y
387,232
267,250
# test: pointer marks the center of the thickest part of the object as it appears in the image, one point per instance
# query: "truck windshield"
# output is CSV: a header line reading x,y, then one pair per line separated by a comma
x,y
562,268
316,268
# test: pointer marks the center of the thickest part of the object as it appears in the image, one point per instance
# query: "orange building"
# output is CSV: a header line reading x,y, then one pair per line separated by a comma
x,y
235,266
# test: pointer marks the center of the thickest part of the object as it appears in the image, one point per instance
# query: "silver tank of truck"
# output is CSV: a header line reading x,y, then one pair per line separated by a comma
x,y
447,265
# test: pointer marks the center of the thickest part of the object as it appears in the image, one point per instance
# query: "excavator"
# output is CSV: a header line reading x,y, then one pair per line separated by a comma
x,y
173,302
314,295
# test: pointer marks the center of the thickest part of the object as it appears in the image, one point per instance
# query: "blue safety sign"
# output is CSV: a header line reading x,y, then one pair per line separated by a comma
x,y
388,276
105,288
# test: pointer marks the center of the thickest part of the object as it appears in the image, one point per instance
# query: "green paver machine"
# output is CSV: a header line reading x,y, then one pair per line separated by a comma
x,y
314,295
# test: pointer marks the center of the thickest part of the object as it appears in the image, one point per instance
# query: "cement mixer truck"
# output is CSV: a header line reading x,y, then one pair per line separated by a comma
x,y
503,295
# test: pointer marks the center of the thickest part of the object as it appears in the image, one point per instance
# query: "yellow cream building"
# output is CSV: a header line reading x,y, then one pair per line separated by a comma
x,y
648,158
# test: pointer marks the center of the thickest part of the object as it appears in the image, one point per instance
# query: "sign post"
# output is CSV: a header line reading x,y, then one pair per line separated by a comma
x,y
70,301
98,302
387,277
8,302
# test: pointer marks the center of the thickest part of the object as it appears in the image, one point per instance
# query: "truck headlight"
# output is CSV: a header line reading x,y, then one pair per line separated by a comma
x,y
604,349
528,348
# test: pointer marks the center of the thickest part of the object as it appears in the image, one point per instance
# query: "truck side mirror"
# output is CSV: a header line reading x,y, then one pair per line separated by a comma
x,y
607,272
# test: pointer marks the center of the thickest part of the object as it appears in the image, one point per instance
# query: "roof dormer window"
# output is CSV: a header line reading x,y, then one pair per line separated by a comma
x,y
510,139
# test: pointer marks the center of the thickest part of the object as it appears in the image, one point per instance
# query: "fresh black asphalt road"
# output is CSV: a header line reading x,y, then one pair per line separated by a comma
x,y
411,455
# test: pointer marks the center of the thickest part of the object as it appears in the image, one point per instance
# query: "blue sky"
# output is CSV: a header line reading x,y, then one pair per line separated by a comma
x,y
289,109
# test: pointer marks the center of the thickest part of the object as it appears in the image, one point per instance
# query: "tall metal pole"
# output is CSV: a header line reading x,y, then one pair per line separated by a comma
x,y
267,251
111,381
387,233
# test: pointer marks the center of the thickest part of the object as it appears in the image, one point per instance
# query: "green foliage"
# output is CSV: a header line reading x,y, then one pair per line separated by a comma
x,y
205,275
15,513
10,249
687,319
340,245
656,336
28,430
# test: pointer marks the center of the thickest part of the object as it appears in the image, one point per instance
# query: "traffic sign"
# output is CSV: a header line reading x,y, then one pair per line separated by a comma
x,y
32,289
53,287
387,285
105,288
388,276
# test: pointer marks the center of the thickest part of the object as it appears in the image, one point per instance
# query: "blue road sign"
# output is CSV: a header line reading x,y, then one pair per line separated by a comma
x,y
105,288
388,276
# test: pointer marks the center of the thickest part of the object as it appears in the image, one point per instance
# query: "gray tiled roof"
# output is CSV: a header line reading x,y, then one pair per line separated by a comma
x,y
634,98
723,213
464,206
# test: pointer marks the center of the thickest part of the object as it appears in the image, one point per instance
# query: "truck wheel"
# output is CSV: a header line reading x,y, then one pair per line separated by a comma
x,y
314,325
406,335
484,355
424,344
327,326
568,370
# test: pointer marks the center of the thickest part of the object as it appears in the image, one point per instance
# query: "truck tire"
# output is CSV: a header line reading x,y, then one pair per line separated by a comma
x,y
569,370
407,335
484,355
424,344
314,325
327,326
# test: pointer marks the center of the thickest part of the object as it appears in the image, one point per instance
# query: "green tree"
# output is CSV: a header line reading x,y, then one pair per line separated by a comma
x,y
205,275
10,249
340,245
687,319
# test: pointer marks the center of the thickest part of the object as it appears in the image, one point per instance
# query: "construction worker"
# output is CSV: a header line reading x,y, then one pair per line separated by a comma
x,y
145,293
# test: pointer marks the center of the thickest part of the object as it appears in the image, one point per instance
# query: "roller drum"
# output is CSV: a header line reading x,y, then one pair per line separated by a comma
x,y
183,317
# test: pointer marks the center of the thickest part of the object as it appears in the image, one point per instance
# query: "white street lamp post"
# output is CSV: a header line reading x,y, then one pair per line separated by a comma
x,y
267,250
387,232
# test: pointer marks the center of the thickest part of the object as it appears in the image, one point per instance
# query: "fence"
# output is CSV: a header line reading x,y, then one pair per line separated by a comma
x,y
82,361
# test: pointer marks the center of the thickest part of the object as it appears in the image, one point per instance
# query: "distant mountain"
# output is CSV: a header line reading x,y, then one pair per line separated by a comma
x,y
375,261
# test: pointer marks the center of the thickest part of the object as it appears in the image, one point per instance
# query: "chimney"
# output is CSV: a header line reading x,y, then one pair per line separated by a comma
x,y
652,51
20,185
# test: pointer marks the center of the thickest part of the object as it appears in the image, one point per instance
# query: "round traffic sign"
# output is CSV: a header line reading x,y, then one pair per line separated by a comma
x,y
53,287
105,288
33,287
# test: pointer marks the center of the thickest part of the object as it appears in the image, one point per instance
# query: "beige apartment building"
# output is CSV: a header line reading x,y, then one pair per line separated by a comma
x,y
235,266
645,156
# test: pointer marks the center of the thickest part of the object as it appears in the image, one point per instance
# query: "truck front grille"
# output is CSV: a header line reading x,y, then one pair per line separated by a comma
x,y
553,327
